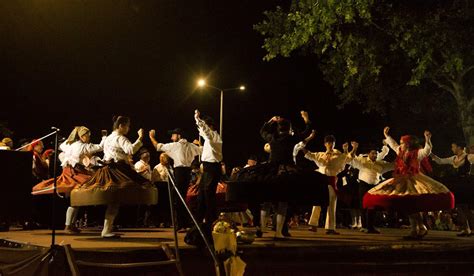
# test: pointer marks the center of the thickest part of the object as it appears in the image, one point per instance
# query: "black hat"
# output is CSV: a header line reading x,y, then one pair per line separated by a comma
x,y
176,131
142,151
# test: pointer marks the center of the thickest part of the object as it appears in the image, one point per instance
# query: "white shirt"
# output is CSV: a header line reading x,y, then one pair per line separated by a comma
x,y
117,147
143,169
74,153
329,163
212,149
455,161
422,153
371,171
160,173
182,152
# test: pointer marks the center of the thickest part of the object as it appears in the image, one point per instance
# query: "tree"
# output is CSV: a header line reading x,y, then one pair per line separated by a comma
x,y
371,51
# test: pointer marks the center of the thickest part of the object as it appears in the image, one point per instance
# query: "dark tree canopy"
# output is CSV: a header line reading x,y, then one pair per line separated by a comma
x,y
375,51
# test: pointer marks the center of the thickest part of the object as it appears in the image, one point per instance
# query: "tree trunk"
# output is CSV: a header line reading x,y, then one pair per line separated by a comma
x,y
466,116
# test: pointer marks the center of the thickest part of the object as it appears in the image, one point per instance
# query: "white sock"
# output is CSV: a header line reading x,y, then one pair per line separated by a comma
x,y
279,226
71,215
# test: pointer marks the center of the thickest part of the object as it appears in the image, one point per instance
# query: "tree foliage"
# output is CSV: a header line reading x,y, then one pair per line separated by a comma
x,y
370,51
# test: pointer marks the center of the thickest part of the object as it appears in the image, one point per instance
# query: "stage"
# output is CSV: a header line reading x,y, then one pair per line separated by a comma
x,y
305,253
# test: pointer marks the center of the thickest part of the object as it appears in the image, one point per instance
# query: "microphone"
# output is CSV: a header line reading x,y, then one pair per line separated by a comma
x,y
55,128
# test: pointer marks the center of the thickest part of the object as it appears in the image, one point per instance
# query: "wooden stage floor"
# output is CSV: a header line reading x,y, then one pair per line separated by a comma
x,y
148,238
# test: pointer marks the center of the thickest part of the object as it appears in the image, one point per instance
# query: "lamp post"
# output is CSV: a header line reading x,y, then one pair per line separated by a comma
x,y
202,83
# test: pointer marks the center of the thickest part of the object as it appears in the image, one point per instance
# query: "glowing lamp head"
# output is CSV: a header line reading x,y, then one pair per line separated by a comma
x,y
242,88
201,83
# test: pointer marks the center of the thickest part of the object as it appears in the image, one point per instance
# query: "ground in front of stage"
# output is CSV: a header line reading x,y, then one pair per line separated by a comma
x,y
305,253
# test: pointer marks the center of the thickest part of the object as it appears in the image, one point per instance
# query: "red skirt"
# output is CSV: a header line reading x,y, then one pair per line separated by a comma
x,y
65,183
417,193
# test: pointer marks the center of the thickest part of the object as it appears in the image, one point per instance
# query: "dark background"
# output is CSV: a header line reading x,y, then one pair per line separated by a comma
x,y
79,62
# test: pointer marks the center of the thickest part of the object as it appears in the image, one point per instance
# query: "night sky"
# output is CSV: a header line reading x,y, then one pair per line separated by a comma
x,y
79,62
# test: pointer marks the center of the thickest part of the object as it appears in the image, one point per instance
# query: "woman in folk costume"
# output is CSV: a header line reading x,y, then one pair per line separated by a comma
x,y
76,153
117,182
40,166
410,190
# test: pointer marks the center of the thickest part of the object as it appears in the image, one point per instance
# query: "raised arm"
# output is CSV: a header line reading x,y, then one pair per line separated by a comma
x,y
308,129
91,148
268,129
442,161
383,153
204,130
128,147
426,151
390,141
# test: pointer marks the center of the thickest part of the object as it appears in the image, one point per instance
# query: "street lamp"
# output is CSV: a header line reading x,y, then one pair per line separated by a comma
x,y
202,83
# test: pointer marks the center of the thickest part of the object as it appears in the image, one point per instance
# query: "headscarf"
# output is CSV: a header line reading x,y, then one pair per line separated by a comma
x,y
76,134
7,140
33,144
407,139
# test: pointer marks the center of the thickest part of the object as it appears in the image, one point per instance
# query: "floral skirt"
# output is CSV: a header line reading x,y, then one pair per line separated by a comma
x,y
65,183
409,193
115,183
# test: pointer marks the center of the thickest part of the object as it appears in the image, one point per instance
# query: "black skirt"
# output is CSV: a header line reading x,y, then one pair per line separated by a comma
x,y
273,182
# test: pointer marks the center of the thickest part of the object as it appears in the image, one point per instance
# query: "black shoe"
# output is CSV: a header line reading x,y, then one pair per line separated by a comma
x,y
412,238
332,232
280,239
259,233
463,234
286,234
373,231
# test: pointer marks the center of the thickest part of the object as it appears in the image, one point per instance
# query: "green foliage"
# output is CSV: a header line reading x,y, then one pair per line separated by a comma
x,y
371,50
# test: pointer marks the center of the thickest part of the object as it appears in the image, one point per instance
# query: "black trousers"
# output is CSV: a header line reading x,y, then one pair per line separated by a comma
x,y
207,208
182,175
369,214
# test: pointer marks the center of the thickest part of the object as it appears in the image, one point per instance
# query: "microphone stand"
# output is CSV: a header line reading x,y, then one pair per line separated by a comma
x,y
172,184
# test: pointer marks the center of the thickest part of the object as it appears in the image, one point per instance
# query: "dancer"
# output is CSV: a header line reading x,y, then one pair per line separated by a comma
x,y
117,182
280,173
183,153
409,190
40,166
461,184
76,149
371,167
330,163
211,162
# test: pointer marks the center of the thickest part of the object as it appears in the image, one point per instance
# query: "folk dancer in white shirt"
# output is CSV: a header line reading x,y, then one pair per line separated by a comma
x,y
117,182
75,150
183,154
211,158
461,184
371,167
330,163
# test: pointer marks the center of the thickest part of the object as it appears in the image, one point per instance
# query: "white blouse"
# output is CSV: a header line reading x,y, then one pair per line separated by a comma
x,y
422,153
117,147
455,161
212,149
182,152
371,171
329,163
74,153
